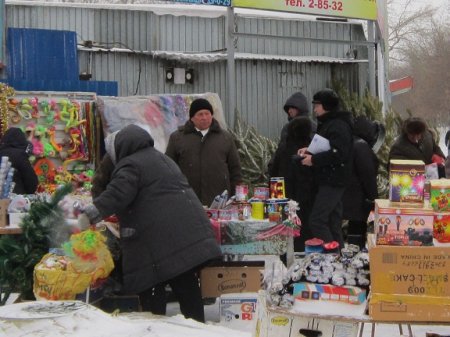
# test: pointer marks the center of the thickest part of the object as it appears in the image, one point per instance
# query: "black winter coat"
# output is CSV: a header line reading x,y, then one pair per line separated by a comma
x,y
277,166
14,145
362,189
334,167
164,229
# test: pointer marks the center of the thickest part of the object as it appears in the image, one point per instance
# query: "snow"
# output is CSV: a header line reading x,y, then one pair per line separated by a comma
x,y
91,321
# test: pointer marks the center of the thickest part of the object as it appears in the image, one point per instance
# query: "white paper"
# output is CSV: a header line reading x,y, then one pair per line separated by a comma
x,y
318,144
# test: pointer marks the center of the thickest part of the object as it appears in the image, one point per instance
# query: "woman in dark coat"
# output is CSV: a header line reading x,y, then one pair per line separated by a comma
x,y
17,148
362,189
165,233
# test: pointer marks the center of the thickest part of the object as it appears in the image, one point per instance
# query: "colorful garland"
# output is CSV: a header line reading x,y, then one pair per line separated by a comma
x,y
5,93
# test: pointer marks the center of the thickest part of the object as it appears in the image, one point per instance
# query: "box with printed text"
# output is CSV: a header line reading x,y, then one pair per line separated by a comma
x,y
403,225
410,283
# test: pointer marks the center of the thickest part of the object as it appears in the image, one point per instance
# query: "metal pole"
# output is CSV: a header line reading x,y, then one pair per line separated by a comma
x,y
371,58
231,74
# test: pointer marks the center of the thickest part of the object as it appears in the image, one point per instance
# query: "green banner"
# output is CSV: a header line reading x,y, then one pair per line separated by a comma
x,y
358,9
226,3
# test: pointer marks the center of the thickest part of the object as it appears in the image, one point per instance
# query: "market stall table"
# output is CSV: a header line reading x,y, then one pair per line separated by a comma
x,y
346,322
10,230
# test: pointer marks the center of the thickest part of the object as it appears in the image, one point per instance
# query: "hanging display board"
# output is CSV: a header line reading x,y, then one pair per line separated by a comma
x,y
162,114
358,9
62,128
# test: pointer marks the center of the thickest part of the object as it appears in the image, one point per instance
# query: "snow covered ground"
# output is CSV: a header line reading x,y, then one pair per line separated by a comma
x,y
88,321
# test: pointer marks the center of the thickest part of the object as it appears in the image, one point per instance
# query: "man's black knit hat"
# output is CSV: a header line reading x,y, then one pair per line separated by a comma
x,y
200,104
328,98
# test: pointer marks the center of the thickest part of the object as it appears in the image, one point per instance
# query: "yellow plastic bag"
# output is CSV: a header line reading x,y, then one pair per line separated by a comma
x,y
87,259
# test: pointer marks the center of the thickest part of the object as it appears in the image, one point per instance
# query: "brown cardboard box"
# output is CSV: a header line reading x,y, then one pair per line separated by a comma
x,y
410,283
4,203
231,277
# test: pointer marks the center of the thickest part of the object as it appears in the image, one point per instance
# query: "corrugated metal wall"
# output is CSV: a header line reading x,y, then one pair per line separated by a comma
x,y
261,86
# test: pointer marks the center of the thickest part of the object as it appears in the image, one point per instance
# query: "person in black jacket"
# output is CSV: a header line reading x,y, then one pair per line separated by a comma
x,y
296,106
417,143
165,235
332,168
299,178
362,189
17,148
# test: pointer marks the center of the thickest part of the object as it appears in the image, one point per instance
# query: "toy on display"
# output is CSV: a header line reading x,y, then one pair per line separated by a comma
x,y
62,130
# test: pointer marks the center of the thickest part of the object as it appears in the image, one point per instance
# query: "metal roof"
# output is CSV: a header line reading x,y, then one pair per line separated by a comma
x,y
215,57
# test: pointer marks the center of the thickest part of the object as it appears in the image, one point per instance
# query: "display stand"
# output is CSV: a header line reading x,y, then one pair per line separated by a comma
x,y
297,320
252,237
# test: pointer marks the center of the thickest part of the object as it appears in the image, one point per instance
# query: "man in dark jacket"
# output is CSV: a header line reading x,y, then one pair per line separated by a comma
x,y
165,233
205,153
415,143
332,168
296,106
17,148
362,190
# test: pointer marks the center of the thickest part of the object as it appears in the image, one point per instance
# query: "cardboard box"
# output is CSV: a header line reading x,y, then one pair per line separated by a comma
x,y
231,277
4,203
280,323
440,195
410,283
406,181
441,227
403,225
238,311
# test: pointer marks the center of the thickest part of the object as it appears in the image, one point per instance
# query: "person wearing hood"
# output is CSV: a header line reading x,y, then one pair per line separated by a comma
x,y
165,235
362,190
299,178
332,168
296,106
17,148
205,153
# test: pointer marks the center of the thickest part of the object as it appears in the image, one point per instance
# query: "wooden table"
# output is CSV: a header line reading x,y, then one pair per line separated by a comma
x,y
10,230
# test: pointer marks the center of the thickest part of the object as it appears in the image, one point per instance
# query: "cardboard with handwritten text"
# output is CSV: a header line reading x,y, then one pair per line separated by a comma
x,y
410,283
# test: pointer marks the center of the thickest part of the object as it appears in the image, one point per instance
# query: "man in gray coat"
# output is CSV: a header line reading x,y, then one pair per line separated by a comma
x,y
205,153
165,233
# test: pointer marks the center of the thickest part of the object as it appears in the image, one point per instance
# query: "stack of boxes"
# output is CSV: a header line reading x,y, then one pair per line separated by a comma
x,y
409,272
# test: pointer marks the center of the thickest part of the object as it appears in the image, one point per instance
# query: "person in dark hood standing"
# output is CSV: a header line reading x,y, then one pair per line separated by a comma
x,y
17,148
205,153
299,178
165,235
332,168
362,190
296,106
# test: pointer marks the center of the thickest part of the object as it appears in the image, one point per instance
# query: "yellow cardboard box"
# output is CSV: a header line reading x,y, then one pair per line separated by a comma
x,y
410,283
